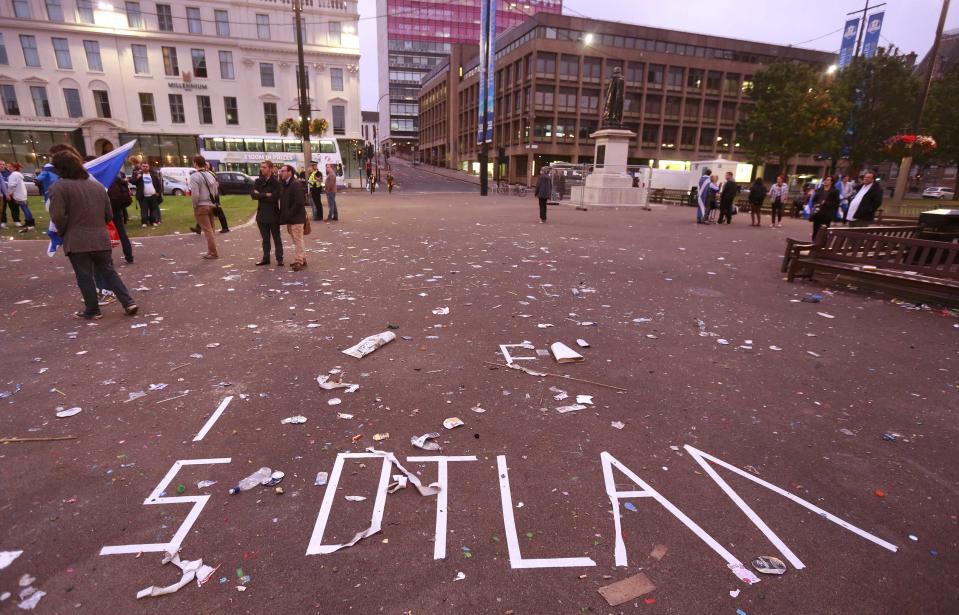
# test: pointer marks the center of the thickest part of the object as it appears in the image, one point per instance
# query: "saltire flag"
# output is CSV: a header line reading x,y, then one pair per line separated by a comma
x,y
103,169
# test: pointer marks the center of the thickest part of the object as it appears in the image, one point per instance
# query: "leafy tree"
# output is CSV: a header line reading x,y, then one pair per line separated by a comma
x,y
941,118
792,113
880,94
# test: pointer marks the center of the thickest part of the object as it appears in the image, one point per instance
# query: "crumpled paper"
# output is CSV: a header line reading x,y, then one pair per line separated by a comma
x,y
192,569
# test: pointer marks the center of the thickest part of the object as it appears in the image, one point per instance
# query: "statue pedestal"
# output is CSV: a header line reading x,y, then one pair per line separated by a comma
x,y
609,184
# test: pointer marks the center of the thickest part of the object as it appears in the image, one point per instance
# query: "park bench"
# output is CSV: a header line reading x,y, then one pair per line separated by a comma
x,y
909,265
796,248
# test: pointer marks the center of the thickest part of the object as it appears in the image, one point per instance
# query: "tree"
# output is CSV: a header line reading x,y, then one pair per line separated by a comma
x,y
941,118
792,113
880,93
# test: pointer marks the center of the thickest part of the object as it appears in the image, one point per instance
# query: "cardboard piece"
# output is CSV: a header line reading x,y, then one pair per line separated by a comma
x,y
369,344
191,569
564,354
628,589
7,557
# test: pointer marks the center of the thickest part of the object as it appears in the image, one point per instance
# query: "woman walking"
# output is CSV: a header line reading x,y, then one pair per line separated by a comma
x,y
18,192
825,205
778,194
80,209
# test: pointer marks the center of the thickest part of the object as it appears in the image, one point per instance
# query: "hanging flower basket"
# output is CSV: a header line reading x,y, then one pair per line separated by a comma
x,y
902,146
318,127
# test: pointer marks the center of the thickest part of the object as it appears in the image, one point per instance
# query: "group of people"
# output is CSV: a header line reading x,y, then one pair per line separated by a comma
x,y
13,191
373,177
833,200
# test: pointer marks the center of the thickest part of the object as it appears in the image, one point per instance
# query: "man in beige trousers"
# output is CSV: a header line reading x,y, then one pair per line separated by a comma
x,y
205,193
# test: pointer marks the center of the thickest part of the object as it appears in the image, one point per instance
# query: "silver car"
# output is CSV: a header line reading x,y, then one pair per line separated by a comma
x,y
939,192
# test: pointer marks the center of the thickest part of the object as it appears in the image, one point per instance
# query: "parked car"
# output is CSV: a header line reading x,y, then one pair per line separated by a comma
x,y
939,192
30,181
174,186
232,182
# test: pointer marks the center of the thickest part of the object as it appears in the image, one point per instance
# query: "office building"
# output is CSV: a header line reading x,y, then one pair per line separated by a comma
x,y
417,35
180,78
684,95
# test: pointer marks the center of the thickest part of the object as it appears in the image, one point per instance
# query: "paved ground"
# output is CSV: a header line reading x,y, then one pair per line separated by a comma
x,y
811,424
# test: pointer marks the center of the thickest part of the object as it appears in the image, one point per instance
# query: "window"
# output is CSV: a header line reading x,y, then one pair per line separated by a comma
x,y
674,77
266,75
101,99
634,72
226,65
54,11
134,16
147,108
336,79
692,109
654,76
728,113
673,106
232,113
569,67
199,62
567,99
335,33
694,79
650,135
94,61
171,66
654,105
710,110
590,101
193,23
72,97
222,19
543,128
61,49
591,68
707,138
40,102
731,84
3,51
204,109
165,18
8,96
269,116
85,11
688,138
31,57
339,120
263,26
670,133
632,102
21,9
546,64
177,114
544,96
713,79
141,63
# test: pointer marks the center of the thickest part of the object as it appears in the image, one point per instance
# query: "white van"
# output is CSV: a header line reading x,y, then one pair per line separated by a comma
x,y
178,174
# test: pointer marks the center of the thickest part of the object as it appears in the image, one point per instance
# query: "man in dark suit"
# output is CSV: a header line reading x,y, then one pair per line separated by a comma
x,y
866,202
293,212
266,192
726,198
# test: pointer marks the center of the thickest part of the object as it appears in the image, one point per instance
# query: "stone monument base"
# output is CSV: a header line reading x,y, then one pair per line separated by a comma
x,y
609,184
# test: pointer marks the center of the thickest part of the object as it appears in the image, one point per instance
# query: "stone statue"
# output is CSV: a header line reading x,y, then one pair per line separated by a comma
x,y
615,95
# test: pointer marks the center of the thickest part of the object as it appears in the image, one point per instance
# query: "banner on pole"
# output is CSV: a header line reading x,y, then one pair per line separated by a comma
x,y
848,47
487,71
871,41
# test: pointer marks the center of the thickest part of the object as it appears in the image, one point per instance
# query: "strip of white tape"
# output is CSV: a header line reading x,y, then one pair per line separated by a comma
x,y
213,418
442,498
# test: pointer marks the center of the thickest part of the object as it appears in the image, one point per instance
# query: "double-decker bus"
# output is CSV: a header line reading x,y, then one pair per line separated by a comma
x,y
245,153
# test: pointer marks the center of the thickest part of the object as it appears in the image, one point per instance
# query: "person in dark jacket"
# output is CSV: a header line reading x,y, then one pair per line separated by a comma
x,y
120,199
293,212
149,189
80,209
544,191
757,194
266,192
866,202
825,205
727,197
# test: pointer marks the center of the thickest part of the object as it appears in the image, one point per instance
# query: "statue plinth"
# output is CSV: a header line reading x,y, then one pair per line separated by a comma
x,y
609,184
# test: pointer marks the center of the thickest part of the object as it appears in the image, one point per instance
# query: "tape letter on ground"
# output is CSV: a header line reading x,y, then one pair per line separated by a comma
x,y
442,498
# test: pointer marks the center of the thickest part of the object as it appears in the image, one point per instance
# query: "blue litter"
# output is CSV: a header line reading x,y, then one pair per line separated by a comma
x,y
630,506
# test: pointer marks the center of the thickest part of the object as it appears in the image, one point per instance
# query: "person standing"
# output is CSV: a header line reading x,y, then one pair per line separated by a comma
x,y
866,202
702,197
825,205
149,190
18,193
204,192
120,199
315,185
778,194
330,187
80,209
369,175
389,181
266,192
757,194
217,207
847,189
727,198
544,190
5,196
293,212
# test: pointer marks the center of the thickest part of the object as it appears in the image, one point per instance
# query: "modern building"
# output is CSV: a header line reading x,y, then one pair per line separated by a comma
x,y
417,35
685,93
371,127
212,75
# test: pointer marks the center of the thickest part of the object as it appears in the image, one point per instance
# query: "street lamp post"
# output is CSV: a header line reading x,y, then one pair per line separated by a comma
x,y
302,91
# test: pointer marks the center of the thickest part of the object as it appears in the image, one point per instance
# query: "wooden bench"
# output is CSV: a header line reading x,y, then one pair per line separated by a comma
x,y
920,267
796,248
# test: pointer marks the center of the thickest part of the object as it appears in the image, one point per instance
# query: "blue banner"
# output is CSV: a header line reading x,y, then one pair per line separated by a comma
x,y
871,42
483,83
491,71
848,47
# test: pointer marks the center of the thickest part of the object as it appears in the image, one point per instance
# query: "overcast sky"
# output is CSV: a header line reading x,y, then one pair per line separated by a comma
x,y
909,24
